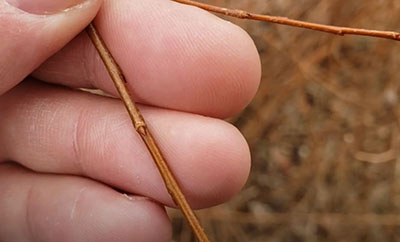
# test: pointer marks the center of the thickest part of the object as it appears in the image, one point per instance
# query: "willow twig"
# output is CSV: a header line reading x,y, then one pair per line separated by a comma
x,y
140,125
237,13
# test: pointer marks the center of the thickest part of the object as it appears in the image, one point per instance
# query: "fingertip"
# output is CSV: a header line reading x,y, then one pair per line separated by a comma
x,y
222,167
210,157
234,172
228,61
238,70
222,69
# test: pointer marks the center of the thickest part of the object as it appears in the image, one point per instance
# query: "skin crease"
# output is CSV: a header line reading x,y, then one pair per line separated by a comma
x,y
184,65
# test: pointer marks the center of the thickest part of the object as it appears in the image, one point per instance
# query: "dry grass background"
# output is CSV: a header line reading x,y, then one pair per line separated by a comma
x,y
324,130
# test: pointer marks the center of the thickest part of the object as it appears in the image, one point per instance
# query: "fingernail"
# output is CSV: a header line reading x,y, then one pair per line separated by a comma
x,y
44,7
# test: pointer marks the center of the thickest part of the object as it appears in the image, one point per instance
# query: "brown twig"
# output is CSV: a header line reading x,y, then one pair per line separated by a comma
x,y
237,13
263,218
140,125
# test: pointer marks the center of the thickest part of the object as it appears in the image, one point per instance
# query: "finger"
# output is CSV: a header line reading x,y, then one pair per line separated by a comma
x,y
173,56
47,208
52,129
31,31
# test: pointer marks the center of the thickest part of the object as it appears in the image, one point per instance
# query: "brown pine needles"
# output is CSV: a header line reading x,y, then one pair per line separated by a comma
x,y
237,13
139,123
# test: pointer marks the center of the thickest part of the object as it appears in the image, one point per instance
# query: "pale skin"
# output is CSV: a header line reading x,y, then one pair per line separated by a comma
x,y
65,153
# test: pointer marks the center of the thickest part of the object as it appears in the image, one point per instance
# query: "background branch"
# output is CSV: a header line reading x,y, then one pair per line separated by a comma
x,y
237,13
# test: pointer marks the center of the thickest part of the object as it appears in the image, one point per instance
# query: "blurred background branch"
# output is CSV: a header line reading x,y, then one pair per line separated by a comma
x,y
283,20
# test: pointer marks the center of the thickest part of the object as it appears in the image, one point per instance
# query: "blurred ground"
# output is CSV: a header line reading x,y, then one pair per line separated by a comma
x,y
323,130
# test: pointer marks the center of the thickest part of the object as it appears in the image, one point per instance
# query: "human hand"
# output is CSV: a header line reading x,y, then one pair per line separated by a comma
x,y
185,66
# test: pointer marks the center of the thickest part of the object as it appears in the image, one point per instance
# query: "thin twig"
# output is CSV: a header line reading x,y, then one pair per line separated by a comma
x,y
263,218
140,125
374,158
237,13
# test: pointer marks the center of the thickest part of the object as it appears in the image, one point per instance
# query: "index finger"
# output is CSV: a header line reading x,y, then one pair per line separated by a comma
x,y
174,56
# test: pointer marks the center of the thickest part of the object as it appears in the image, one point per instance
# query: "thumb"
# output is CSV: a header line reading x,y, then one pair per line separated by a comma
x,y
33,30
